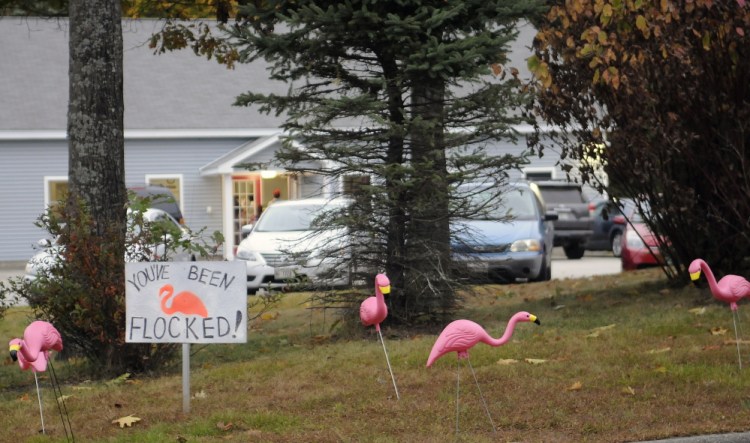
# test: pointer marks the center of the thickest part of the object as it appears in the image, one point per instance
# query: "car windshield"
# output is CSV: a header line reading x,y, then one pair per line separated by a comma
x,y
288,218
516,202
555,194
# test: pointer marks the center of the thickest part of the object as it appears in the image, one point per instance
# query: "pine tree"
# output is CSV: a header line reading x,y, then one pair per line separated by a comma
x,y
402,92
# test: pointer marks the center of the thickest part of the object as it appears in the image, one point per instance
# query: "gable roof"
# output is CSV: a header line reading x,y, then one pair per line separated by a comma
x,y
177,90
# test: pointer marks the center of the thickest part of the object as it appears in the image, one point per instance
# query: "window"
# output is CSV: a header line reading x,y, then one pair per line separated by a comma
x,y
539,173
55,190
171,182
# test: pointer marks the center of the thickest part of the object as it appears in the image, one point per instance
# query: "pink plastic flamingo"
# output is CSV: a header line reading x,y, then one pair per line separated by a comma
x,y
373,311
33,351
730,289
461,335
38,338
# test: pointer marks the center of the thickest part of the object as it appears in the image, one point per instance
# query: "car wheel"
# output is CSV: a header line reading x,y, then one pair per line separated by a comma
x,y
545,274
574,251
617,244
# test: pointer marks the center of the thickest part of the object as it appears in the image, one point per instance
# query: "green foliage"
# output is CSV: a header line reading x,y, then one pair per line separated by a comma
x,y
666,87
403,98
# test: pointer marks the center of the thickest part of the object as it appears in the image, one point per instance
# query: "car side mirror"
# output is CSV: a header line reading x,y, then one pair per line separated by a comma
x,y
605,214
551,216
246,229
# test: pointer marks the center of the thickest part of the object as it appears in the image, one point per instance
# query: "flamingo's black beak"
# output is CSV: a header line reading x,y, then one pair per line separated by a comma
x,y
537,321
534,318
13,355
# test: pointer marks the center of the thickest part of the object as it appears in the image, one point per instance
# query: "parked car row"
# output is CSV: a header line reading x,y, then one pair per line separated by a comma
x,y
510,242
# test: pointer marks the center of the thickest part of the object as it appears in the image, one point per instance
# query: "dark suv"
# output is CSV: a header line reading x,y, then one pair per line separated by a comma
x,y
573,226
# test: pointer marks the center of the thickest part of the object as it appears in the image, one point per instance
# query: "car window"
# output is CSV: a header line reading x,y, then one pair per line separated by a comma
x,y
516,202
562,195
288,218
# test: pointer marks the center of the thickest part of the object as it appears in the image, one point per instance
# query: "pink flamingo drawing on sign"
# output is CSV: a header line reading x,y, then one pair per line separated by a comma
x,y
32,352
460,336
730,289
184,302
373,311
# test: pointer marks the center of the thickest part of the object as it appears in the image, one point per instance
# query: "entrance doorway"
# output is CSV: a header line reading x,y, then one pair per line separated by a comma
x,y
245,207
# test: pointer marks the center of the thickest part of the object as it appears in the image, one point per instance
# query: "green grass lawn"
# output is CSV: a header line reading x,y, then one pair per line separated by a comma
x,y
616,358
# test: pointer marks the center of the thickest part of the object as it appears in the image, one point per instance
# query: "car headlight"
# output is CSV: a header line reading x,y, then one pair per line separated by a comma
x,y
633,240
246,255
528,245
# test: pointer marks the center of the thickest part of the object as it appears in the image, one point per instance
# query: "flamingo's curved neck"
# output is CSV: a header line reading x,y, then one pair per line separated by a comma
x,y
382,308
506,335
29,356
709,276
166,298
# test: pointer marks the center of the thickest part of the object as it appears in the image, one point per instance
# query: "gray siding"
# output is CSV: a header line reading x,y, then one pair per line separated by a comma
x,y
24,165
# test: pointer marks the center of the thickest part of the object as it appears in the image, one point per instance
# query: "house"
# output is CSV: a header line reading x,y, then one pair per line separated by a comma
x,y
181,131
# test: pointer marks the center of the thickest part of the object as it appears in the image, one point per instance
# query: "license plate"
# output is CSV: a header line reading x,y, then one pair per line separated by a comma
x,y
283,273
564,216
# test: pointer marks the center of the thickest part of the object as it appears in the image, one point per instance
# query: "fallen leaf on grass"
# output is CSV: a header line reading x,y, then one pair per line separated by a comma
x,y
718,331
628,390
224,426
270,315
63,398
659,351
665,291
200,394
126,421
661,369
597,331
698,311
535,361
24,397
507,361
577,386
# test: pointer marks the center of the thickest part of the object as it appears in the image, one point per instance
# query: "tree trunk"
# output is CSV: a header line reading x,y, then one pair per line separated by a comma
x,y
96,159
428,252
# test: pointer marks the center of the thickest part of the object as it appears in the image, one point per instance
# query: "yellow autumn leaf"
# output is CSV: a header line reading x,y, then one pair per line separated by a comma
x,y
628,390
640,23
126,421
597,331
577,386
270,315
661,369
535,361
698,311
718,331
507,361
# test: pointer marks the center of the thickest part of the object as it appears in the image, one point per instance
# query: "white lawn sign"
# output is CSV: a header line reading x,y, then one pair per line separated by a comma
x,y
185,302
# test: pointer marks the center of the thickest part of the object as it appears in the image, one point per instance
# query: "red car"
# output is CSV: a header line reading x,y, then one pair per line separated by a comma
x,y
640,247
